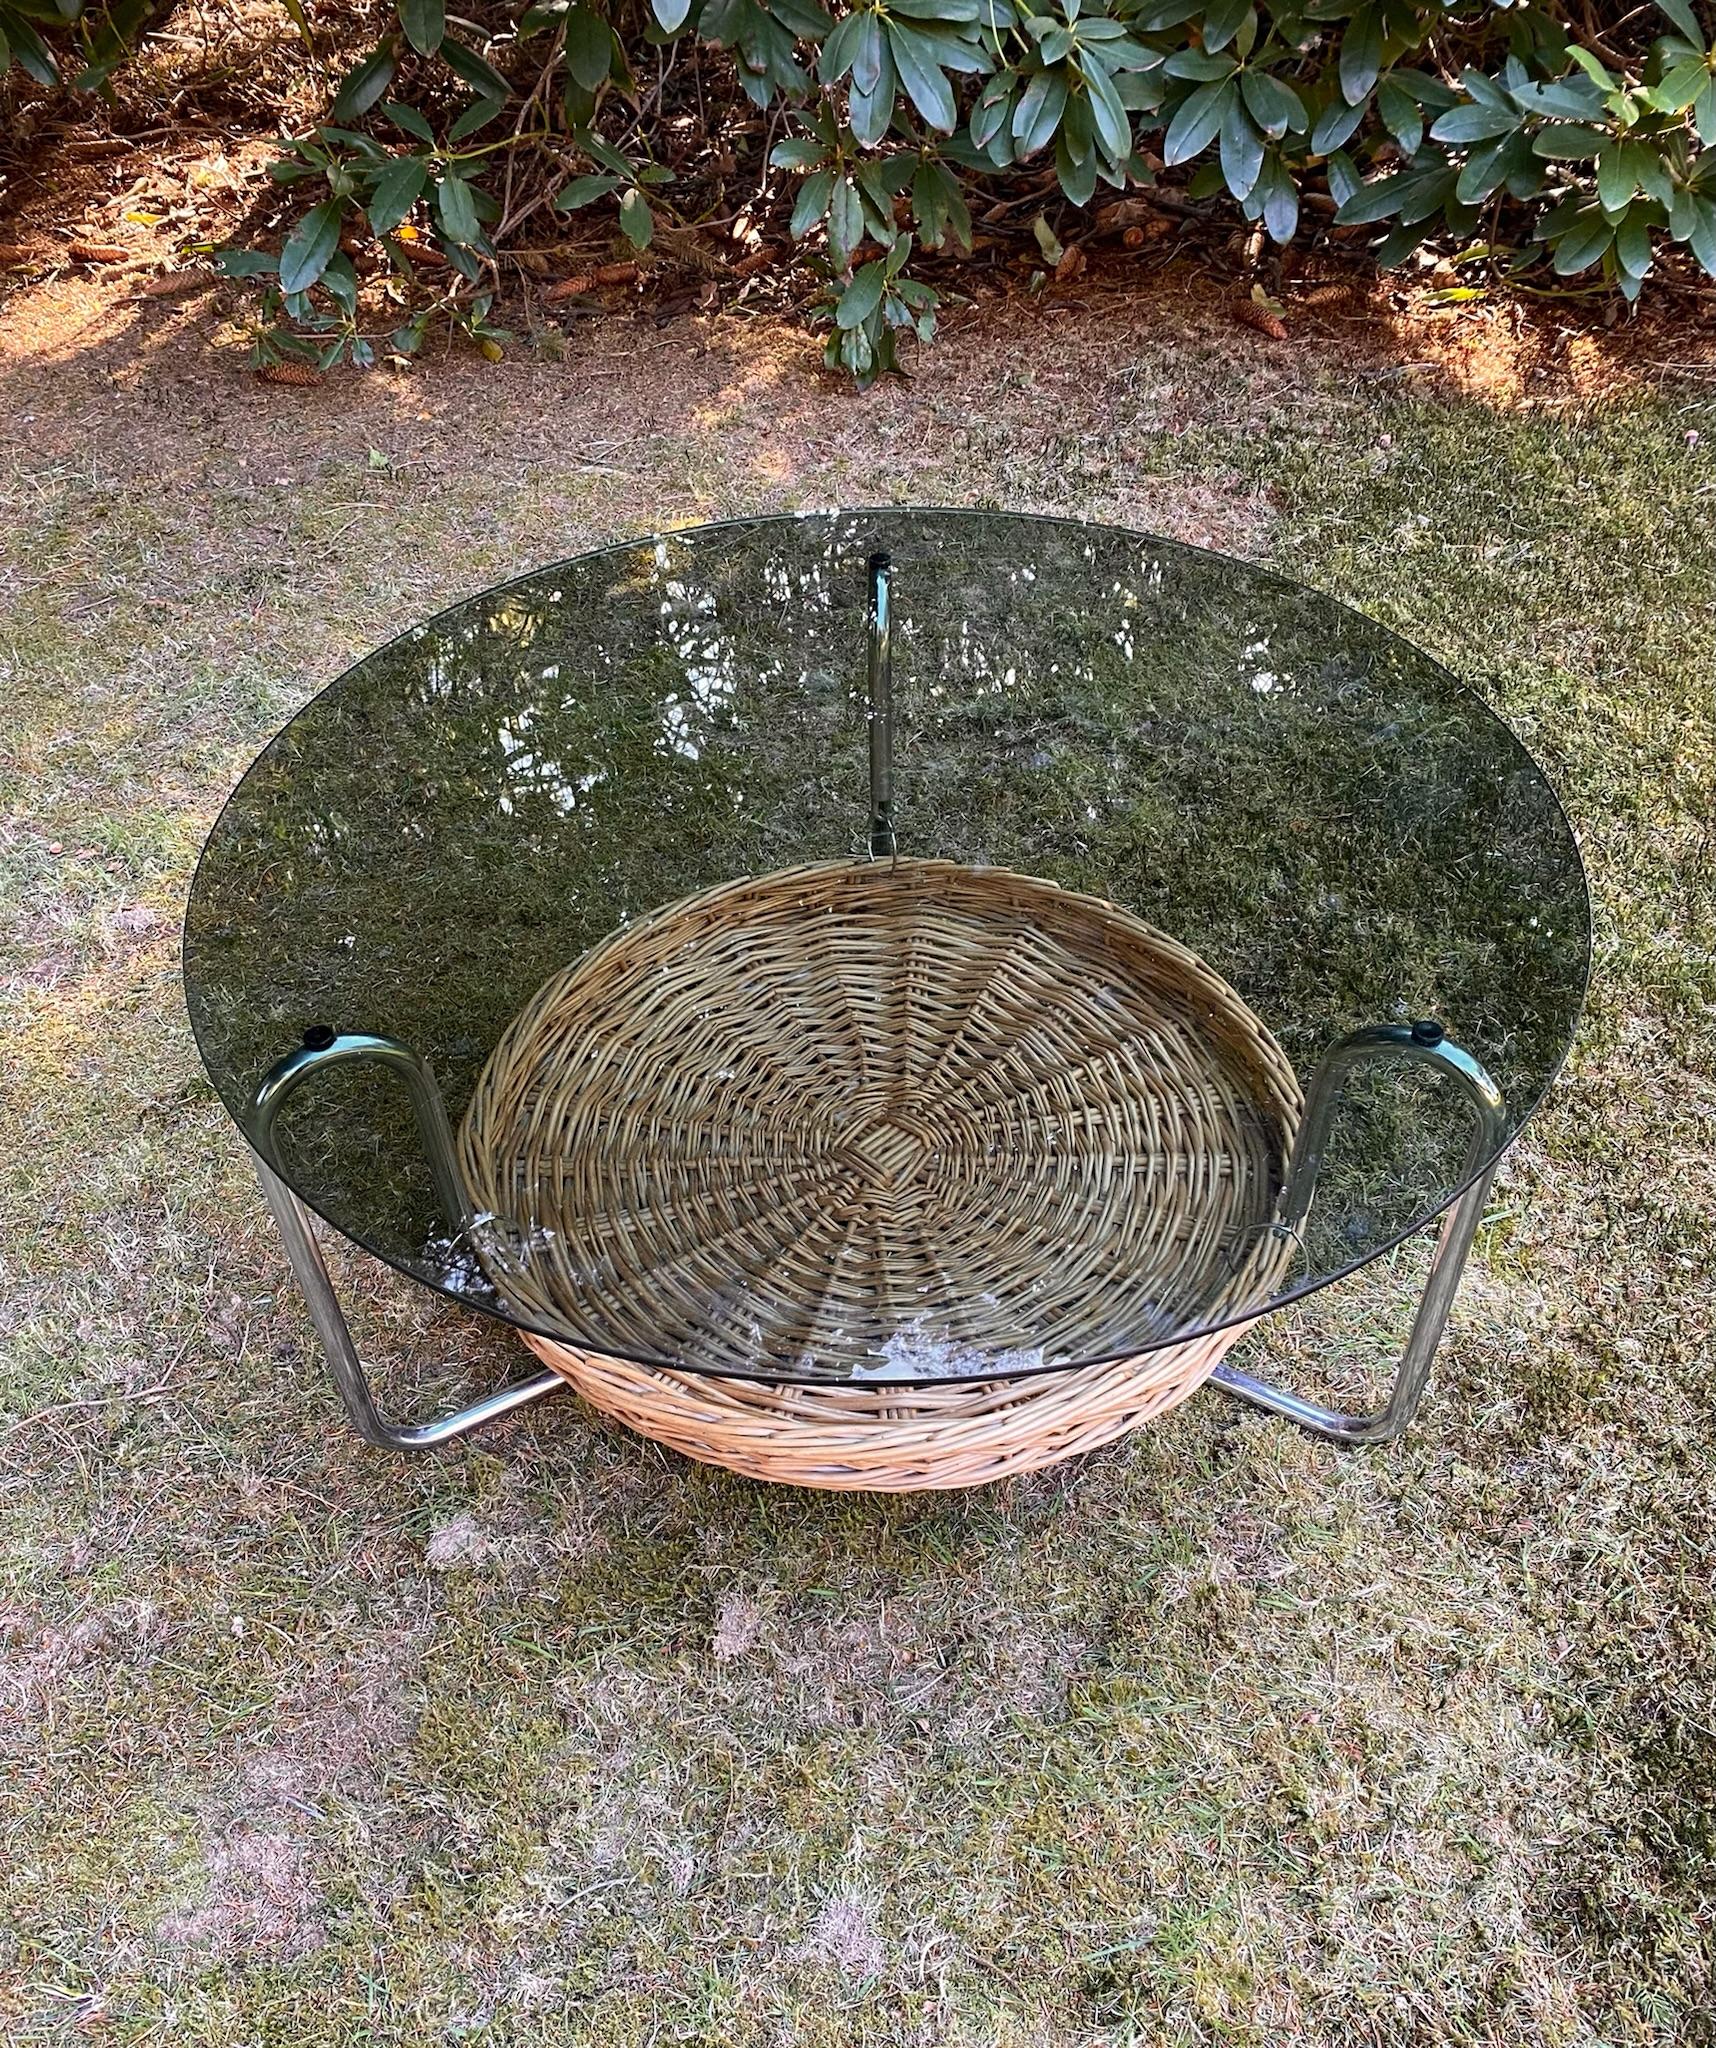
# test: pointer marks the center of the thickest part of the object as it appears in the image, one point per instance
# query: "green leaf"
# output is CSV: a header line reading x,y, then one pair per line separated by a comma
x,y
1681,14
1139,94
1632,246
589,47
605,153
245,262
1567,140
1677,89
1275,106
1473,123
1361,55
1595,72
990,114
456,204
1616,183
309,246
397,190
1486,170
1076,170
408,120
1343,177
841,49
1113,129
926,85
671,14
868,51
845,222
582,191
871,111
637,223
340,282
424,23
1039,111
1375,201
1561,99
1196,64
1400,116
477,115
1582,245
1650,172
32,53
473,70
1431,189
938,206
1704,113
811,204
1223,20
1336,125
1198,120
861,297
1280,198
1241,148
363,85
1683,214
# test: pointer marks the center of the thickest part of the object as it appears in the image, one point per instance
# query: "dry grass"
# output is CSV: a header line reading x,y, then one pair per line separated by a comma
x,y
1219,1736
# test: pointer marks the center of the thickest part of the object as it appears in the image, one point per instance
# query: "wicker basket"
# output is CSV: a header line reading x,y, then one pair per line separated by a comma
x,y
999,1122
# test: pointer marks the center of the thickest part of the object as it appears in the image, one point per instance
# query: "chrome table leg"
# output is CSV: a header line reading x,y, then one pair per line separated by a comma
x,y
1425,1043
293,1218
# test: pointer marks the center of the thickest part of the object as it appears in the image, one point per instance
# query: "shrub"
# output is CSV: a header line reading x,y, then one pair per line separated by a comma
x,y
1524,137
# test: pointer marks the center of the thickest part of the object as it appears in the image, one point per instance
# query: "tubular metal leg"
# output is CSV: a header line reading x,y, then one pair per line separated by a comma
x,y
881,709
1391,1420
324,1048
346,1368
1426,1043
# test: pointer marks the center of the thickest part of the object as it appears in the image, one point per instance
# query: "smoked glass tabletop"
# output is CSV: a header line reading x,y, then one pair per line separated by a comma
x,y
1335,826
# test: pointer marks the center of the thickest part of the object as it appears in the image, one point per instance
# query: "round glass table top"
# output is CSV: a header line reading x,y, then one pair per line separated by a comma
x,y
1343,836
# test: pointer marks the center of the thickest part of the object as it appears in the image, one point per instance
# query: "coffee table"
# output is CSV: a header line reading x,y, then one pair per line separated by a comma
x,y
887,998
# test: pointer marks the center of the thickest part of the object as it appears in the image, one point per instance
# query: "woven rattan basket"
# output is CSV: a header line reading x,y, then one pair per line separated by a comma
x,y
853,1123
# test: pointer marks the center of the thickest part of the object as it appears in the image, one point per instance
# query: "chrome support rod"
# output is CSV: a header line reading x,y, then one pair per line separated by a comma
x,y
1424,1043
880,704
323,1048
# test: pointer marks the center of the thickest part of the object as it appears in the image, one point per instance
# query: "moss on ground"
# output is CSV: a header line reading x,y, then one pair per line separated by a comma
x,y
1219,1736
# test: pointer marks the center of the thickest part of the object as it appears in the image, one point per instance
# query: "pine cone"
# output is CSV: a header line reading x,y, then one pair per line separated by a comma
x,y
1250,314
98,252
304,375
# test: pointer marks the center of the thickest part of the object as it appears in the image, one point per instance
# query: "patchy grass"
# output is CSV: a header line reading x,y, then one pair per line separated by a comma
x,y
1220,1736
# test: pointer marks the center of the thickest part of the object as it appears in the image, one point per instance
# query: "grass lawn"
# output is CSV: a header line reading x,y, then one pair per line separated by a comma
x,y
1221,1735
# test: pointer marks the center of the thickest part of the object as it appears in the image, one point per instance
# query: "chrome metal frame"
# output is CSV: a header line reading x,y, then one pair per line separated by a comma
x,y
1427,1044
324,1048
880,709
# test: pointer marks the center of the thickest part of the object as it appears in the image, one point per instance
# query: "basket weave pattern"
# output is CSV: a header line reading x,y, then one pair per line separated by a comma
x,y
853,1124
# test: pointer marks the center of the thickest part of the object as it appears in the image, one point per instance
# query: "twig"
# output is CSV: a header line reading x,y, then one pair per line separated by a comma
x,y
96,1400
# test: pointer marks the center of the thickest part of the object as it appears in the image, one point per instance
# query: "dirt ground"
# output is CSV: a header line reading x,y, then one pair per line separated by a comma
x,y
1217,1736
